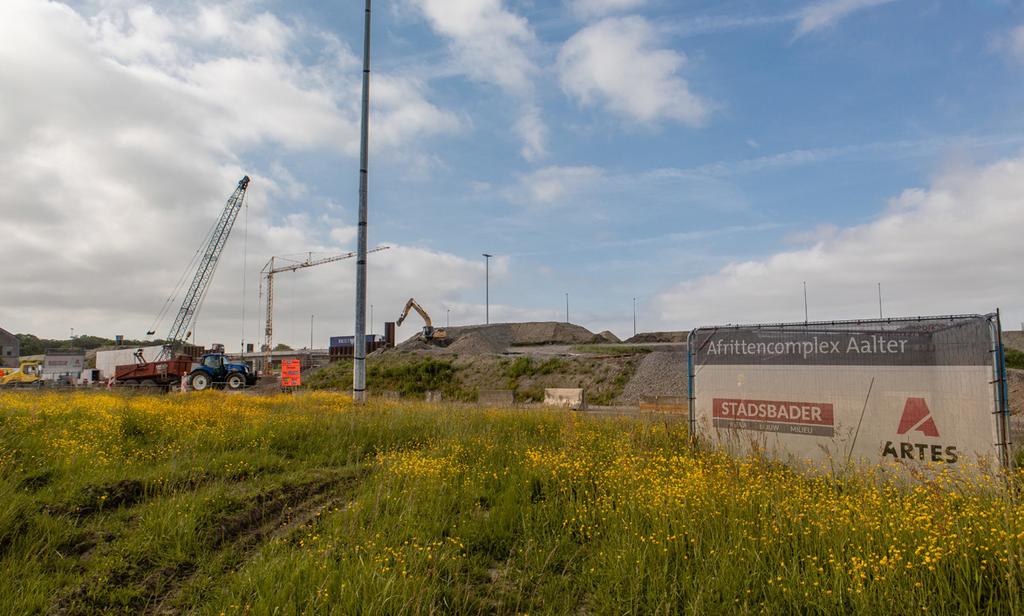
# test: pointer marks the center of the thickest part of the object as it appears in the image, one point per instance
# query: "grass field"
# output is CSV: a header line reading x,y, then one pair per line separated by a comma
x,y
214,503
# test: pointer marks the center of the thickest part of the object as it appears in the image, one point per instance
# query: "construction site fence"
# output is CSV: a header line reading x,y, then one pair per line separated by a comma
x,y
919,392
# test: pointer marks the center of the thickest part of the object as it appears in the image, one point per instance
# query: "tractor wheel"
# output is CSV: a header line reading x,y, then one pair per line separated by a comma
x,y
148,384
236,381
199,381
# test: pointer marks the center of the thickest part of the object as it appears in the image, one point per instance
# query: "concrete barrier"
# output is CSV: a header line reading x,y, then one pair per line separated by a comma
x,y
391,395
573,399
496,397
673,405
433,396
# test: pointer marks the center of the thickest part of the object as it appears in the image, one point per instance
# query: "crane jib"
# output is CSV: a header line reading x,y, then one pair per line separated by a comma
x,y
204,273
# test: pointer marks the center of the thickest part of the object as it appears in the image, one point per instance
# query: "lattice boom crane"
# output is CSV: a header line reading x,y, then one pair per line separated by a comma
x,y
207,265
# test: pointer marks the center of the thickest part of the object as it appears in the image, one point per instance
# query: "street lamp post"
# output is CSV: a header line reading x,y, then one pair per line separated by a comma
x,y
359,352
487,288
566,307
634,316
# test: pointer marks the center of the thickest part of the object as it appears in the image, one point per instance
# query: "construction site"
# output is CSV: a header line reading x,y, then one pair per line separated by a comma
x,y
502,364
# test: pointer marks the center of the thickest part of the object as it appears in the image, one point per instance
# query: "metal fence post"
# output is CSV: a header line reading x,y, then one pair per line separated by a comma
x,y
690,385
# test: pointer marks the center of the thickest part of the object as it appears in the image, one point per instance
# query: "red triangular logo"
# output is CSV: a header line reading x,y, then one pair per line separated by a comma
x,y
917,416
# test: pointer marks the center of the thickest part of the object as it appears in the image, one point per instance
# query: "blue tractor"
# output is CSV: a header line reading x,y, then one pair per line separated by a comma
x,y
214,370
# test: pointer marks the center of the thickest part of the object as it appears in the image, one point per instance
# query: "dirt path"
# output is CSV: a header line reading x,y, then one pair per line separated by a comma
x,y
271,515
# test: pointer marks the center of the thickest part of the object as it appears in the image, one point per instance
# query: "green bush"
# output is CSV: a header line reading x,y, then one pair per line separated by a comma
x,y
410,379
1014,358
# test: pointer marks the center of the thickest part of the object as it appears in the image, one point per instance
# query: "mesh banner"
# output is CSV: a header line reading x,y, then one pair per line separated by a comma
x,y
914,392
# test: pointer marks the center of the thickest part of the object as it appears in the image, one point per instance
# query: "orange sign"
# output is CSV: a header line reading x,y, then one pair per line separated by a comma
x,y
291,373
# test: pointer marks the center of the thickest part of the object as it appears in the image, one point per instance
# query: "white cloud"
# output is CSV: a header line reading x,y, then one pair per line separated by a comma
x,y
493,45
599,8
123,132
550,185
1017,42
533,132
618,62
953,248
489,42
827,13
1010,43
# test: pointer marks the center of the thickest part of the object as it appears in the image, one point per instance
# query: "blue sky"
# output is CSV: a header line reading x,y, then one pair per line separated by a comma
x,y
703,157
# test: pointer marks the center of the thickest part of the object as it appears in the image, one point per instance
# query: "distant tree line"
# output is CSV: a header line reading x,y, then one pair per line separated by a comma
x,y
34,345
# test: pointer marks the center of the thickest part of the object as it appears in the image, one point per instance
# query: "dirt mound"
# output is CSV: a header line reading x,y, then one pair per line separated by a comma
x,y
477,343
498,337
661,373
607,336
550,332
647,337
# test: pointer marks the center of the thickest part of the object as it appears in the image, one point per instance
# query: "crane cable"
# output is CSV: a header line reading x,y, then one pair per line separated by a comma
x,y
189,267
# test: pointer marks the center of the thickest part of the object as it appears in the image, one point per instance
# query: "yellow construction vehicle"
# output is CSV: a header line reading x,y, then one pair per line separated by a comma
x,y
429,333
28,373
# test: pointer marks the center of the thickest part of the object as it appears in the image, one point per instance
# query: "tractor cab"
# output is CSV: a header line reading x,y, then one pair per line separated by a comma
x,y
215,370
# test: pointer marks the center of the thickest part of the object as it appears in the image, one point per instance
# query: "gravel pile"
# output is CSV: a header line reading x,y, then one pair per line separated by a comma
x,y
1014,340
607,336
1015,383
478,343
661,373
496,338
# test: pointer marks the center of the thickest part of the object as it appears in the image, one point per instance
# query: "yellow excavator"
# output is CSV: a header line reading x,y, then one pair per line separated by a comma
x,y
28,373
429,333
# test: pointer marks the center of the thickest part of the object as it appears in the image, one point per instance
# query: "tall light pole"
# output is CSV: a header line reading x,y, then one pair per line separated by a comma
x,y
487,288
310,333
447,317
359,353
566,307
371,319
634,316
879,300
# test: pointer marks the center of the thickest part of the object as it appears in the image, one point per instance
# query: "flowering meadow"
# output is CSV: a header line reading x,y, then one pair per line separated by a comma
x,y
215,503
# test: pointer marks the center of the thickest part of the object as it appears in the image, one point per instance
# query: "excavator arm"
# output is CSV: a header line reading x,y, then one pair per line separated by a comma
x,y
412,305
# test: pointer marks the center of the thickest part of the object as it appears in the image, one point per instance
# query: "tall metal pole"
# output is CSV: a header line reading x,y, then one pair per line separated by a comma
x,y
359,354
310,333
879,300
634,316
487,288
566,307
805,302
